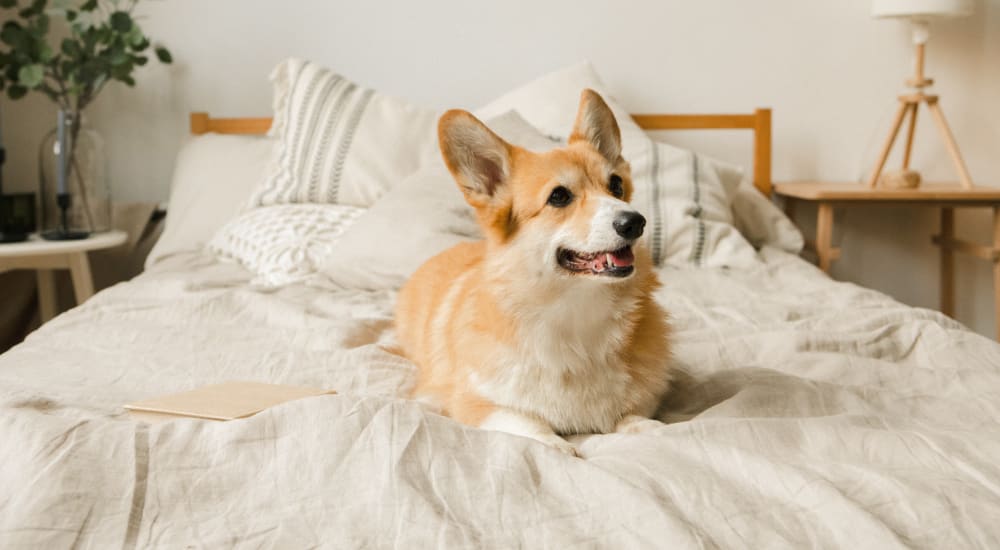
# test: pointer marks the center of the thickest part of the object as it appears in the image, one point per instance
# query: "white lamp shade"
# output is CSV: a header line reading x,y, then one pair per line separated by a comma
x,y
921,9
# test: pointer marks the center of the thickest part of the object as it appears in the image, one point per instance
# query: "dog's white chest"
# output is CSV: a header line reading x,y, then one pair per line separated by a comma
x,y
566,368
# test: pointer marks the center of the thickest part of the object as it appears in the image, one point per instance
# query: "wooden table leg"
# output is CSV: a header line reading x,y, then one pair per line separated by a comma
x,y
45,280
947,262
996,268
83,282
824,236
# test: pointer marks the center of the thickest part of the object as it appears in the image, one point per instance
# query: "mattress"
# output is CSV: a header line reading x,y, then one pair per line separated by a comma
x,y
806,413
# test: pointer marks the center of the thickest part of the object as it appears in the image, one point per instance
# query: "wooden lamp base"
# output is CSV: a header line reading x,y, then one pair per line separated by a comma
x,y
908,105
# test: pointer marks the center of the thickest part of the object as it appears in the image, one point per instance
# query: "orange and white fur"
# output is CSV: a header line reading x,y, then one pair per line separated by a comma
x,y
547,326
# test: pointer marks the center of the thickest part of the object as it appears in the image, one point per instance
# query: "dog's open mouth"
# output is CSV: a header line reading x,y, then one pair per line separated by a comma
x,y
609,263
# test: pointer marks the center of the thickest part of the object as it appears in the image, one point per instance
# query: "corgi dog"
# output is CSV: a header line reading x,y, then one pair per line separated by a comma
x,y
548,326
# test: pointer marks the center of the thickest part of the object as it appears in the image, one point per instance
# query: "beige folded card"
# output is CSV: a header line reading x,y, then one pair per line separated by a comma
x,y
226,401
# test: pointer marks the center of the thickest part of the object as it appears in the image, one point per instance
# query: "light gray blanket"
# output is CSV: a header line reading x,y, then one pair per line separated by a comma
x,y
809,414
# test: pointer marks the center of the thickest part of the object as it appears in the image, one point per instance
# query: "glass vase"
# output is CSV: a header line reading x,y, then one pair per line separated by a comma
x,y
75,194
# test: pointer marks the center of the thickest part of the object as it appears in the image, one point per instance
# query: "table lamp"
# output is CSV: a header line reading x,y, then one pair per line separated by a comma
x,y
919,13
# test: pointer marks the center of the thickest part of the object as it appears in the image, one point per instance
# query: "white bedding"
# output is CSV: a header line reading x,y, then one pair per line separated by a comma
x,y
812,414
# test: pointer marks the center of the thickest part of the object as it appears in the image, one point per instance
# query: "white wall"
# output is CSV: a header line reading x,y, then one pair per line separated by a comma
x,y
828,70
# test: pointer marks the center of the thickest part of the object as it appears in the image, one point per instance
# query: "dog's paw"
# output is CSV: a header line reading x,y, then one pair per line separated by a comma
x,y
635,424
558,443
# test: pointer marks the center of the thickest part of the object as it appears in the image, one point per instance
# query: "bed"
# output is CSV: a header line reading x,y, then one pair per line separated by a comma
x,y
807,413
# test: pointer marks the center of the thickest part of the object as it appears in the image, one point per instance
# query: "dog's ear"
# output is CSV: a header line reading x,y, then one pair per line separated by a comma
x,y
596,124
479,159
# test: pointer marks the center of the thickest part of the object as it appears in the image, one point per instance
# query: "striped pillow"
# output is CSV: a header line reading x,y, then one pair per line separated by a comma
x,y
686,198
339,142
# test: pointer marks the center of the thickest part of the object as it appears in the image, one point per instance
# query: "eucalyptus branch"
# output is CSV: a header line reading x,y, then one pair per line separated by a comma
x,y
63,97
76,69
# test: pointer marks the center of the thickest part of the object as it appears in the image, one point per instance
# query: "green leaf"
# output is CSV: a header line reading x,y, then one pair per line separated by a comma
x,y
41,25
45,52
163,55
89,5
13,34
139,60
8,3
122,70
70,15
121,21
16,91
71,47
36,8
134,36
30,76
89,39
104,34
118,56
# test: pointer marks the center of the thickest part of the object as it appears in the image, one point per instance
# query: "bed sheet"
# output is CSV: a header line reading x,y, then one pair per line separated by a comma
x,y
806,413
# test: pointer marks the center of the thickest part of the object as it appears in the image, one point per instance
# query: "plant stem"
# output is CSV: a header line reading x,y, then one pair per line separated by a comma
x,y
75,132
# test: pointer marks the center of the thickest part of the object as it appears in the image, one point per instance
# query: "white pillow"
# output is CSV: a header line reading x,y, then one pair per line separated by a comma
x,y
214,177
415,220
339,142
763,223
550,102
283,244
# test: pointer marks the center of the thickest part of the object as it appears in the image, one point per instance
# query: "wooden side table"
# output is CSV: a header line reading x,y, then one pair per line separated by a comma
x,y
46,256
945,197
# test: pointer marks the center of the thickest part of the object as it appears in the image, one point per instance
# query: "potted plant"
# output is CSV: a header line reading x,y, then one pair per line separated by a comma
x,y
70,51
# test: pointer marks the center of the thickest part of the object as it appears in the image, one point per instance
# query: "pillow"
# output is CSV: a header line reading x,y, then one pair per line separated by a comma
x,y
283,244
422,216
685,197
214,177
762,223
549,103
340,142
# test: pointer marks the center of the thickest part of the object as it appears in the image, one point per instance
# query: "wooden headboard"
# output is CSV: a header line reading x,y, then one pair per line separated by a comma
x,y
759,122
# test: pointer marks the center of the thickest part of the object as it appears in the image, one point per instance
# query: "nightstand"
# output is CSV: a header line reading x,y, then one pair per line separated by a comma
x,y
46,256
946,197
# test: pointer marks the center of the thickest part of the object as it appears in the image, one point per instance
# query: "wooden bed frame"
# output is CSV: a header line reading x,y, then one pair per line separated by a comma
x,y
759,122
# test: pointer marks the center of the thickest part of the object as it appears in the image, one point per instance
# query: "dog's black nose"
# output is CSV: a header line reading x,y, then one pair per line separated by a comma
x,y
629,224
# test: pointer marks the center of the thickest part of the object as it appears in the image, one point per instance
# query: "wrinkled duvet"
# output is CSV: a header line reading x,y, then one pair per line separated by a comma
x,y
808,413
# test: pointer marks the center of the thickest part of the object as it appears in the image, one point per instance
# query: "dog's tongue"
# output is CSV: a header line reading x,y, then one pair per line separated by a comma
x,y
617,258
623,257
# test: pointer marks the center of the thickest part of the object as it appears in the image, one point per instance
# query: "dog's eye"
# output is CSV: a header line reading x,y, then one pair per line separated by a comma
x,y
560,197
616,187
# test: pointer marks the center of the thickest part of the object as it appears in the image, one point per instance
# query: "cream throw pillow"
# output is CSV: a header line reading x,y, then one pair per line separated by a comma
x,y
214,176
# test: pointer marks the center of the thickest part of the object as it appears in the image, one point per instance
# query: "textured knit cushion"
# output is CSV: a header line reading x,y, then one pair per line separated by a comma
x,y
284,243
339,142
